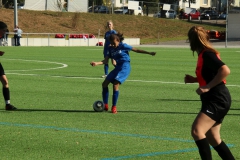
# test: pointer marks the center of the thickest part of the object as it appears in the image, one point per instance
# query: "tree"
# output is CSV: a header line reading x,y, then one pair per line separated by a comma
x,y
96,2
7,3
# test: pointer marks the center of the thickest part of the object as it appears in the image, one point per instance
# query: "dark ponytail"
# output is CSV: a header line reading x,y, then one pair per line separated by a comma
x,y
118,36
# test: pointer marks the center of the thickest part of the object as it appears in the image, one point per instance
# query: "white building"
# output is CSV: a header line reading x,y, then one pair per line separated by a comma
x,y
57,5
120,3
183,4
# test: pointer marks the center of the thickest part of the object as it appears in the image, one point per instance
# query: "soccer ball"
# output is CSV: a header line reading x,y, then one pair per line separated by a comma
x,y
98,106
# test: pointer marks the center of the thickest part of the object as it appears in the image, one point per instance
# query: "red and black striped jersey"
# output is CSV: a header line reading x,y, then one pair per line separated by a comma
x,y
207,67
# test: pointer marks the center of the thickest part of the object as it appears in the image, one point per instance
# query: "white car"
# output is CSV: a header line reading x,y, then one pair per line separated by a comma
x,y
170,14
123,10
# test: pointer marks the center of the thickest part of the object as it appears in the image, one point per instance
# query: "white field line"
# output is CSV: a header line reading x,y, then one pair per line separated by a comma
x,y
62,65
141,81
65,65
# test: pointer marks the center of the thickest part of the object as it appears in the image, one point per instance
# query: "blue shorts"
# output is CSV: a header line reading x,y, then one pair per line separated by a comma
x,y
120,73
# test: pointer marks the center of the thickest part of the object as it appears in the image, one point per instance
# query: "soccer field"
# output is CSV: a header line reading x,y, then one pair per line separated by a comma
x,y
54,89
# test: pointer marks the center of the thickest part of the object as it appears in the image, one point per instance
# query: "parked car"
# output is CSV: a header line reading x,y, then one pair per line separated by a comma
x,y
123,10
223,15
99,9
170,14
209,14
138,11
194,14
157,14
19,6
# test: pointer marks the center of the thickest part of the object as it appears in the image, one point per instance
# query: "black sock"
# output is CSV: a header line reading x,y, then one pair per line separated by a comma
x,y
224,152
6,94
204,149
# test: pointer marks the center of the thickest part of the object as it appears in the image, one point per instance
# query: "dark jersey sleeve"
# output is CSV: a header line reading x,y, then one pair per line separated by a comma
x,y
212,61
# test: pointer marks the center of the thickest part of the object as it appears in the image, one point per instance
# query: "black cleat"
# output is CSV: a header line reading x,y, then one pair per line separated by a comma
x,y
10,107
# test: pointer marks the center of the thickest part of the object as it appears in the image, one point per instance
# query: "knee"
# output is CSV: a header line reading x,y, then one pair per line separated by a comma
x,y
104,85
197,134
4,83
194,132
115,87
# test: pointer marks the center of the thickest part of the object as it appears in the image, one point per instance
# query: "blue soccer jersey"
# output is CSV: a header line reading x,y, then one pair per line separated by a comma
x,y
121,55
107,42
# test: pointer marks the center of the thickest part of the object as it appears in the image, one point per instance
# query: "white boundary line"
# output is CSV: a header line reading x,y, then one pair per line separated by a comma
x,y
141,81
63,65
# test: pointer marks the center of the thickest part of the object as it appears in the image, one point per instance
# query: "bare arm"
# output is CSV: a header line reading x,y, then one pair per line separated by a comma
x,y
105,61
143,51
190,79
223,72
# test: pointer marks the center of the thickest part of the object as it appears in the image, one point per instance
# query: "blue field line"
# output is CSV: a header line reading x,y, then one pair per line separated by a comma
x,y
151,154
156,153
117,134
96,131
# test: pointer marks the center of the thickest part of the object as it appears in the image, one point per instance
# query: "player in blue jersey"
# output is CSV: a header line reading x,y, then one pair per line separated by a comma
x,y
118,51
106,45
3,77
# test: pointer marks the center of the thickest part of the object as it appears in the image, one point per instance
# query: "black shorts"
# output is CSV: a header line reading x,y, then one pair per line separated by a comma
x,y
1,70
216,103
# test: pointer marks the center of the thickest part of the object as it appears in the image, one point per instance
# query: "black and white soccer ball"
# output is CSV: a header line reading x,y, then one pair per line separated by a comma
x,y
98,106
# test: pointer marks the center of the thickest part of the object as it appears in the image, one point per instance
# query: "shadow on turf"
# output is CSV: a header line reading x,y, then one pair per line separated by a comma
x,y
235,109
50,110
184,100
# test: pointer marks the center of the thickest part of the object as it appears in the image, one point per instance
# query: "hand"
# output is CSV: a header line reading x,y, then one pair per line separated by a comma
x,y
189,79
1,53
93,64
202,90
152,53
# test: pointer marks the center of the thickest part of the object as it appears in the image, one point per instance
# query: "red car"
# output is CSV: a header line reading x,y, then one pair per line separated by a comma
x,y
194,14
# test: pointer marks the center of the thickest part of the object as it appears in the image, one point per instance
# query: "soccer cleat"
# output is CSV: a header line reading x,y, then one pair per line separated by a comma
x,y
10,107
104,76
106,107
114,109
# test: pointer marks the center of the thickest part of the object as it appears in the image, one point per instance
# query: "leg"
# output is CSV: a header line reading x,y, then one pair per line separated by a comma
x,y
116,85
15,40
106,69
105,93
18,41
213,136
6,93
201,125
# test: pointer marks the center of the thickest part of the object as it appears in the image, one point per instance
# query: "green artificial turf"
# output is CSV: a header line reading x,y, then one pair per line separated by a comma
x,y
54,89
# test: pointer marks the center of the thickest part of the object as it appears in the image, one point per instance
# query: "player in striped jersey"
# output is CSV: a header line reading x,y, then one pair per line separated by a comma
x,y
211,73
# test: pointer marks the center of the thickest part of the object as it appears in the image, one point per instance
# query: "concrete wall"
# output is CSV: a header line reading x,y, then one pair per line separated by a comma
x,y
65,42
